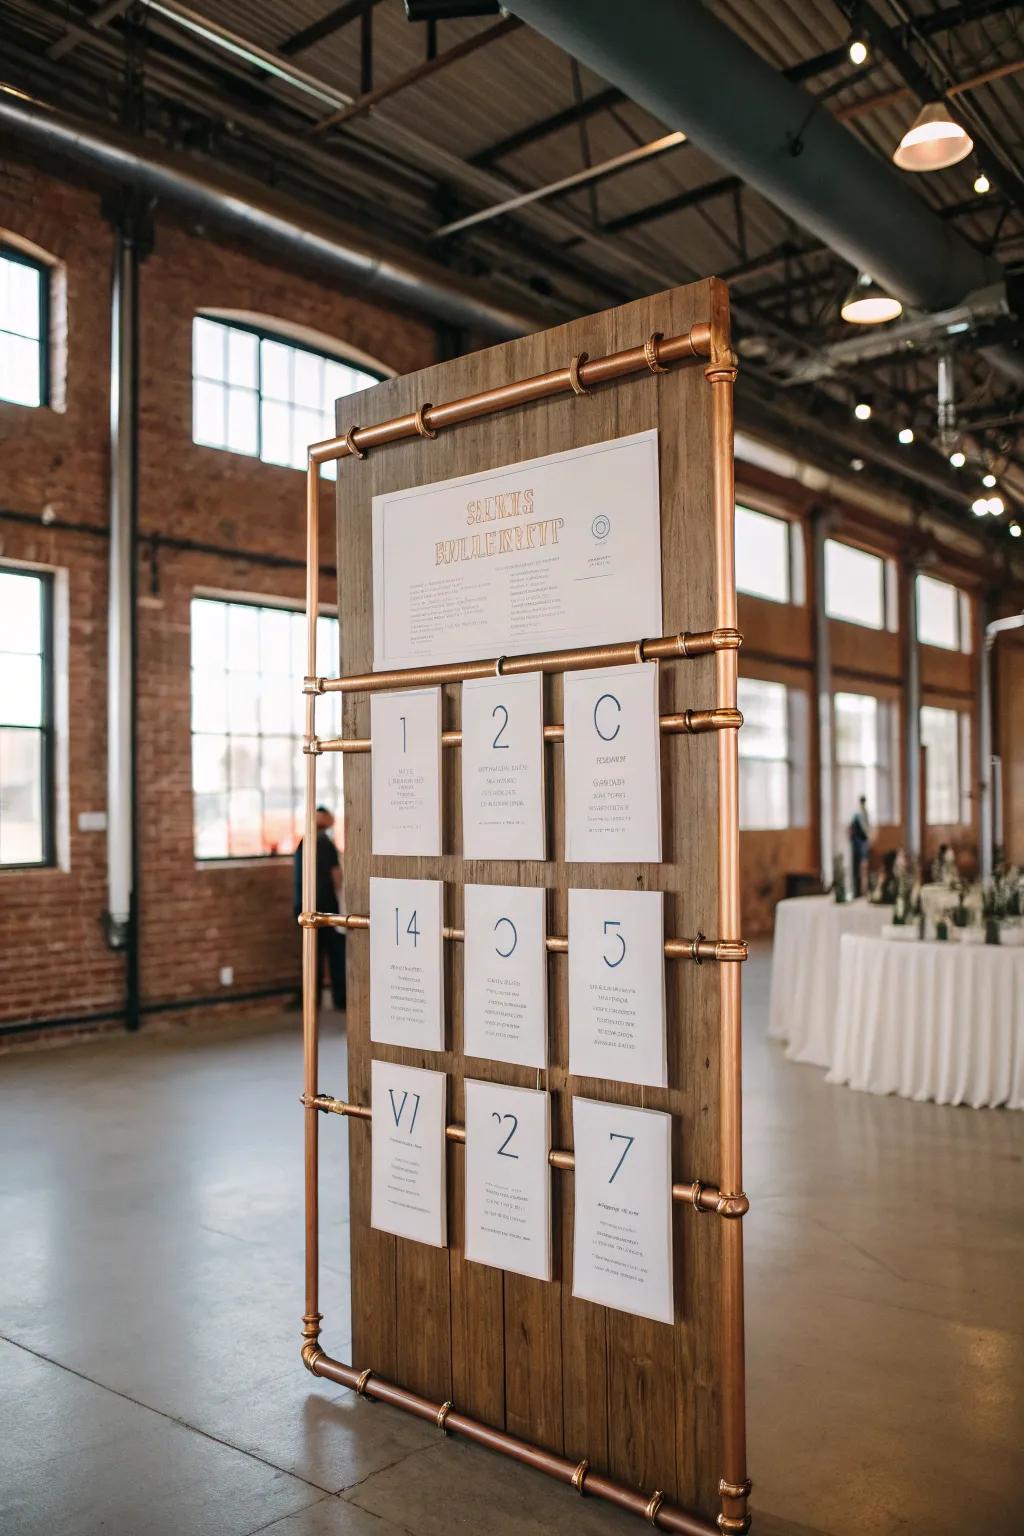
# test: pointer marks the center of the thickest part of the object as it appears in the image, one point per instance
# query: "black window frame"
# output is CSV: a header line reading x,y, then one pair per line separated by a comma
x,y
46,729
267,333
12,253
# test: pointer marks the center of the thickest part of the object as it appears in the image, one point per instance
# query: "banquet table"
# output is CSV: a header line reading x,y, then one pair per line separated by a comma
x,y
931,1021
805,969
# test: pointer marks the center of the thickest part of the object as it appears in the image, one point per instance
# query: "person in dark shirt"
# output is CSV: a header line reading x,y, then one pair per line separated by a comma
x,y
330,941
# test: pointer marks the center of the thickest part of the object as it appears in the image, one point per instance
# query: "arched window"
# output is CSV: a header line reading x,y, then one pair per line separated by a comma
x,y
260,392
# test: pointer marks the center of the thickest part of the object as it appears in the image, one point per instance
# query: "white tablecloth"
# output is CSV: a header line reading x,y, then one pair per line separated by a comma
x,y
805,969
931,1021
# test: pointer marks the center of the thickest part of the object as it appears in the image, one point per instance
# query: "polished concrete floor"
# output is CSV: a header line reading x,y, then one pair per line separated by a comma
x,y
150,1281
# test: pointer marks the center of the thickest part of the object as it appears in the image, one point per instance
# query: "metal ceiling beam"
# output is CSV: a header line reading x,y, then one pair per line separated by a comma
x,y
533,132
325,27
99,18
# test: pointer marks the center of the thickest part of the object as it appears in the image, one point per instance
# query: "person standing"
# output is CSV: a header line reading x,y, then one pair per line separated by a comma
x,y
860,846
330,942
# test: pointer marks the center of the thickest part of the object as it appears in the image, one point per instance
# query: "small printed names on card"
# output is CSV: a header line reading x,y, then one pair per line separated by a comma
x,y
503,768
408,1175
406,963
617,986
622,1187
505,1010
405,739
613,766
508,1178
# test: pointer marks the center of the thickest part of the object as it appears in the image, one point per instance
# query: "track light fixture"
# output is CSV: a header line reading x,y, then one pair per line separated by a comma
x,y
858,51
982,184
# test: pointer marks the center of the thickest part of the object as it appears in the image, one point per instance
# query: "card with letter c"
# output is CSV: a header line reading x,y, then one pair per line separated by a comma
x,y
622,1196
617,986
408,1169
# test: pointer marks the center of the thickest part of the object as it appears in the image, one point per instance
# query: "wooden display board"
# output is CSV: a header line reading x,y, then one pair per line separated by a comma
x,y
651,1412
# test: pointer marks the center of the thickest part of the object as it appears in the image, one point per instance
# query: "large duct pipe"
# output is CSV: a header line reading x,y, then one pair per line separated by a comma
x,y
251,210
682,63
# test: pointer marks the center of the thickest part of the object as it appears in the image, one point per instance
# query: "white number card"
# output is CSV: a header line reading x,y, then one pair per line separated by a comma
x,y
617,986
503,768
405,771
406,963
622,1188
505,1012
408,1183
613,766
508,1178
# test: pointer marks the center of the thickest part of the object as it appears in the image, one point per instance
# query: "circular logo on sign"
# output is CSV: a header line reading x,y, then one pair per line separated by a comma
x,y
601,527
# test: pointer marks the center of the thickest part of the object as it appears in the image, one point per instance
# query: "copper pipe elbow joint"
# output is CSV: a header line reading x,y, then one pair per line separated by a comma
x,y
733,1206
311,1353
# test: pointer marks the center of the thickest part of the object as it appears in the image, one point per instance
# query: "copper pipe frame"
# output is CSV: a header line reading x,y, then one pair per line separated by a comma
x,y
580,658
697,949
703,341
691,722
702,1197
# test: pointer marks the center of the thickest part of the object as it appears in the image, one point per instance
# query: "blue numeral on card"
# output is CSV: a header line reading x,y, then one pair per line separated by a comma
x,y
502,746
613,922
410,928
508,1138
629,1140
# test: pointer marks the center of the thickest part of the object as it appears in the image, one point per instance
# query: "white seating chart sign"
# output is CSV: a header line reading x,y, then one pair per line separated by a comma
x,y
407,962
508,1178
405,772
503,767
556,551
613,765
622,1235
617,986
505,1008
408,1167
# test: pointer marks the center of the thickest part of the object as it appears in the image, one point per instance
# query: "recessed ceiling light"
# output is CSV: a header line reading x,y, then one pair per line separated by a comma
x,y
933,142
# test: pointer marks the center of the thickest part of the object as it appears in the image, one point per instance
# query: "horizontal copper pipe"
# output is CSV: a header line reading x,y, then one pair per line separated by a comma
x,y
693,345
691,722
703,1197
579,658
697,949
575,1474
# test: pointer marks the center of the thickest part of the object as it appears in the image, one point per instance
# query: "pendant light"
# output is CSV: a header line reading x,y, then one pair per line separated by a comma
x,y
934,141
868,304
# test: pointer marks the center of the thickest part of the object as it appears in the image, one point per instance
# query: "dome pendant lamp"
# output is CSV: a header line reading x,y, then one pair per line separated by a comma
x,y
933,142
868,304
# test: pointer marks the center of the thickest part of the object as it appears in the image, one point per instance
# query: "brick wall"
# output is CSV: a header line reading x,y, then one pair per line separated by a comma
x,y
54,961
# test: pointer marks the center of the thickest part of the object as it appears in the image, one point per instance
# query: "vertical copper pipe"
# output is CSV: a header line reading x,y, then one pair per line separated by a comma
x,y
721,375
310,938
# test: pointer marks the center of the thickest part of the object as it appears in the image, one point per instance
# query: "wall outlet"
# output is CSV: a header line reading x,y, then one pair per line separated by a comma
x,y
227,975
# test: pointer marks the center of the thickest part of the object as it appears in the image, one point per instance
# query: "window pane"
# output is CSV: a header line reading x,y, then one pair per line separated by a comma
x,y
243,701
209,764
209,634
21,797
243,358
854,585
941,735
276,446
276,371
308,380
20,613
20,313
764,795
276,642
244,762
762,555
209,700
276,695
21,690
20,378
208,423
242,435
245,823
243,636
208,348
938,610
856,728
763,706
306,429
210,826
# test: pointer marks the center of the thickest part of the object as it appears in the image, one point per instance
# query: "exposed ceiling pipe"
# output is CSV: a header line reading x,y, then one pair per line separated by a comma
x,y
248,209
693,72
